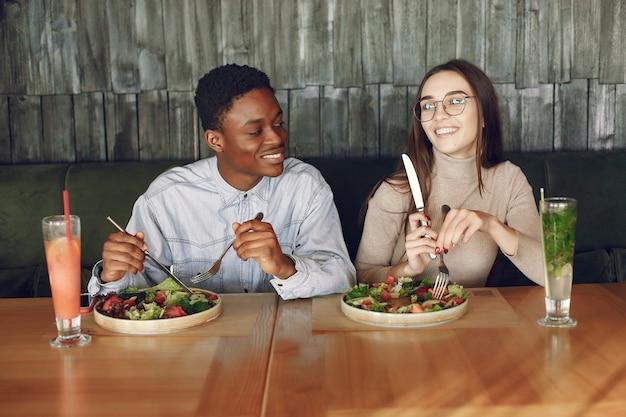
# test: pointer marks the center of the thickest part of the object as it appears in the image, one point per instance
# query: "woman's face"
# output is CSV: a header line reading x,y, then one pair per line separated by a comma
x,y
455,136
252,141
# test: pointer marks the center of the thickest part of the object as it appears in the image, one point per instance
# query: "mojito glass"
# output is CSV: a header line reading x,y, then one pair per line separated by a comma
x,y
558,226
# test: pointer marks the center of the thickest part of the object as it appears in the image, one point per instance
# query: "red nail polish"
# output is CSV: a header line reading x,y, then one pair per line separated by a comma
x,y
445,250
428,218
437,250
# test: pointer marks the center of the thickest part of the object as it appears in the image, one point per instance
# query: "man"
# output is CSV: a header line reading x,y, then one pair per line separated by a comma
x,y
190,214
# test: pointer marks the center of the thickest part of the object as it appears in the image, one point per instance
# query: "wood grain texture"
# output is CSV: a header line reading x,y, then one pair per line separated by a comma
x,y
586,38
557,36
347,45
287,38
267,357
409,39
179,49
470,28
64,43
151,43
441,35
93,44
362,47
377,46
214,369
520,369
40,70
601,115
26,130
571,110
121,127
620,121
59,143
123,47
317,32
613,42
89,127
182,129
501,22
5,134
261,41
207,47
153,125
304,116
393,110
510,105
368,116
536,105
14,43
528,56
334,122
236,37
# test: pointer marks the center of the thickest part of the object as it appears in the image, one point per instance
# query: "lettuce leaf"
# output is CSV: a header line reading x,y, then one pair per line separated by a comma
x,y
456,290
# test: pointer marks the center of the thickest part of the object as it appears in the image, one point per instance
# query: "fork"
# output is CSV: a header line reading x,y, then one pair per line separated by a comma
x,y
443,277
209,273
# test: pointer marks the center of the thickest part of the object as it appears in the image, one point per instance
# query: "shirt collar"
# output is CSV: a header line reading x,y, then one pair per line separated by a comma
x,y
231,195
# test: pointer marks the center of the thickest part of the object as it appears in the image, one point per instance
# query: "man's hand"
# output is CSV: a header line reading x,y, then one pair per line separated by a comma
x,y
122,253
256,239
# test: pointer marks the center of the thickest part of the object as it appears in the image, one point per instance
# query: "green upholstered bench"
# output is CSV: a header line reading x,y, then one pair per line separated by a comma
x,y
101,189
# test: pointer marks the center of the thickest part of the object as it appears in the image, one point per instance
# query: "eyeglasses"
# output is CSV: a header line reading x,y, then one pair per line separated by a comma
x,y
453,104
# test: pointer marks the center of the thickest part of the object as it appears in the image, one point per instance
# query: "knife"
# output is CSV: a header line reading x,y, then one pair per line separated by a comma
x,y
416,190
156,262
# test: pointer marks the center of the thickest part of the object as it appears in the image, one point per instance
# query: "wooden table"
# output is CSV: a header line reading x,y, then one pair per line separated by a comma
x,y
215,369
274,358
505,366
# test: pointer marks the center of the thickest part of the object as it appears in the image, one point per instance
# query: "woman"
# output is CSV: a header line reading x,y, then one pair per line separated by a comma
x,y
455,143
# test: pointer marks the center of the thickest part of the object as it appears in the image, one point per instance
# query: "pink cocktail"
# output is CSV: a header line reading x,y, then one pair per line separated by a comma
x,y
62,246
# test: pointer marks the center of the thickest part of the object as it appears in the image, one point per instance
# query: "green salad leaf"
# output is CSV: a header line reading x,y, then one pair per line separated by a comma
x,y
386,296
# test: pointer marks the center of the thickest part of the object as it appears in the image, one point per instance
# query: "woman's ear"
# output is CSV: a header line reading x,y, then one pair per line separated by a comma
x,y
213,138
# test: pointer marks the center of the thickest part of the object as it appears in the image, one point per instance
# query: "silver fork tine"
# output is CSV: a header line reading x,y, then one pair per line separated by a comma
x,y
436,286
209,273
443,278
439,286
441,283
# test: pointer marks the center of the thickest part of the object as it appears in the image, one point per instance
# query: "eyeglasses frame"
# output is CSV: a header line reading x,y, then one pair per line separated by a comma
x,y
442,105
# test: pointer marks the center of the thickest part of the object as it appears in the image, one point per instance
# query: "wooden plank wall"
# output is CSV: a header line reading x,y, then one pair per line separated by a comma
x,y
114,80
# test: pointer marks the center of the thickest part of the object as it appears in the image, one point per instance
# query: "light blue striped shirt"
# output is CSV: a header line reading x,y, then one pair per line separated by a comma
x,y
186,216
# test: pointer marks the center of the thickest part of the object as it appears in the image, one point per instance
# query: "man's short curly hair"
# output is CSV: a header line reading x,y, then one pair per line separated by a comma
x,y
220,87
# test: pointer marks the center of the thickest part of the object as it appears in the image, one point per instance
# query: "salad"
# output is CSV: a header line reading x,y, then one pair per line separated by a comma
x,y
403,295
165,300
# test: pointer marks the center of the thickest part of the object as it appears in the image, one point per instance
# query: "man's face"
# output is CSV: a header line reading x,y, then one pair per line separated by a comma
x,y
252,142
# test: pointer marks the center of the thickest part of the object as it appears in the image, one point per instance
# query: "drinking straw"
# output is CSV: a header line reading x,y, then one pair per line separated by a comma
x,y
66,213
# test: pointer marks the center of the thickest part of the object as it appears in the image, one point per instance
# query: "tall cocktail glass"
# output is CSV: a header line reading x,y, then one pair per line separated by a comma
x,y
62,246
558,226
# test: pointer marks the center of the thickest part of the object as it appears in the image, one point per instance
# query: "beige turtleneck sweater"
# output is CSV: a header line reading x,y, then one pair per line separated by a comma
x,y
507,195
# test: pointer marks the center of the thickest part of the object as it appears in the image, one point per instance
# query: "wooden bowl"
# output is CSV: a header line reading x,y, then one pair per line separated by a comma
x,y
376,318
158,326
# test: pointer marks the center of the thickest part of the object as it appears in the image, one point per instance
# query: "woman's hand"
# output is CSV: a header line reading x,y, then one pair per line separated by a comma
x,y
419,244
461,224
